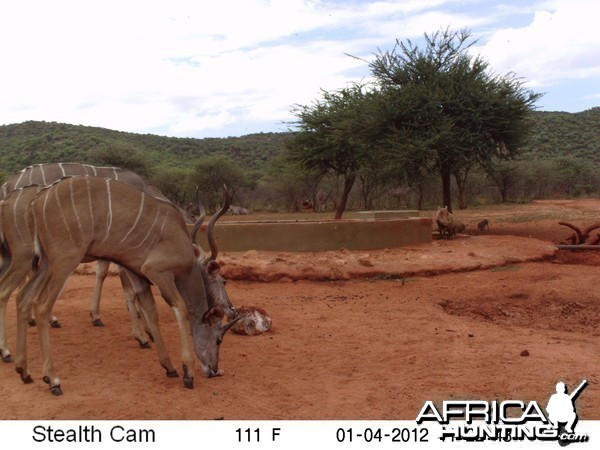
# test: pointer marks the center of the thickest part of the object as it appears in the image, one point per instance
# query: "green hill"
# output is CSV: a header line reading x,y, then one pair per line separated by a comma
x,y
555,134
36,142
565,147
566,134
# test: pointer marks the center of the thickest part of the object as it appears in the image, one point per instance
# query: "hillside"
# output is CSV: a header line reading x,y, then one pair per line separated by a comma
x,y
35,142
555,135
561,133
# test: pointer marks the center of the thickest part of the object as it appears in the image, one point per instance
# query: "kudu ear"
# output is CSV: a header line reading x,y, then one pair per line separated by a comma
x,y
198,252
213,315
212,268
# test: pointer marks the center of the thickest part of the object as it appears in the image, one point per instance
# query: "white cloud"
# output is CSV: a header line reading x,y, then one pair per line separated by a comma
x,y
190,68
561,42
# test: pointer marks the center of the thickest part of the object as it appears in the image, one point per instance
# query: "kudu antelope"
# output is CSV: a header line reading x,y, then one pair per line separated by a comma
x,y
46,174
104,219
16,249
16,244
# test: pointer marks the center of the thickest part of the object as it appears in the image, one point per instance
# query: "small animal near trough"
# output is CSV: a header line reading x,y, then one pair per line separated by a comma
x,y
324,235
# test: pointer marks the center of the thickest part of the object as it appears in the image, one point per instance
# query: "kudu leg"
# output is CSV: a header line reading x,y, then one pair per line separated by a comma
x,y
169,292
13,277
130,300
23,314
102,267
32,322
54,323
101,273
143,292
24,299
55,275
42,313
7,286
4,351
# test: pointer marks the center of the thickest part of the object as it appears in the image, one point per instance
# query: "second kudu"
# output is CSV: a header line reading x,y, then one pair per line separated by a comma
x,y
44,175
16,250
102,218
16,242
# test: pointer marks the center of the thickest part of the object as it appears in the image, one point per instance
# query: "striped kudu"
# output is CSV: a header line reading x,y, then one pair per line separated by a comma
x,y
46,174
16,249
105,219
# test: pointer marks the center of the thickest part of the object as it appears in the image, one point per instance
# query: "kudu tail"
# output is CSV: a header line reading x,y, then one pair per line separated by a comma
x,y
38,254
4,252
4,249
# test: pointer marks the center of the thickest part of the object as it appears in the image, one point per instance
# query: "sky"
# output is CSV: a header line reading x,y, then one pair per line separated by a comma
x,y
207,68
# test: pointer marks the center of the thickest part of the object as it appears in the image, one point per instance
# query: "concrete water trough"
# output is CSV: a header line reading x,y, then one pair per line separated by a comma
x,y
392,214
319,235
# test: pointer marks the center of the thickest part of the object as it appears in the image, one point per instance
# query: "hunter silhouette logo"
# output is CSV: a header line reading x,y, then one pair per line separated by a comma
x,y
562,413
508,420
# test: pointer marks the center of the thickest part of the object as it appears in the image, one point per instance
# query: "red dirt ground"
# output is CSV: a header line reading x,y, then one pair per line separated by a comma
x,y
356,335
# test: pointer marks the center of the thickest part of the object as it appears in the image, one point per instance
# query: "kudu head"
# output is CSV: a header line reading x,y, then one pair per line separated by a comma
x,y
208,337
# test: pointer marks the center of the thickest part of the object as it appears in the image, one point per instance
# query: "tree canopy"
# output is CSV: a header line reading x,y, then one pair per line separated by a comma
x,y
436,109
333,136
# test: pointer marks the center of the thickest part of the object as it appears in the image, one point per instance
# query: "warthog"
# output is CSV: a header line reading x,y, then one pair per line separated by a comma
x,y
447,224
455,227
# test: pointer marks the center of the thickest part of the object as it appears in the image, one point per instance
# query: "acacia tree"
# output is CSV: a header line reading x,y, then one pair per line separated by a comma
x,y
211,173
125,156
176,184
334,137
444,109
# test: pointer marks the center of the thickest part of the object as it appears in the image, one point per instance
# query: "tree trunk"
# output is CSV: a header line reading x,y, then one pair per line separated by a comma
x,y
461,186
446,172
341,206
421,195
504,193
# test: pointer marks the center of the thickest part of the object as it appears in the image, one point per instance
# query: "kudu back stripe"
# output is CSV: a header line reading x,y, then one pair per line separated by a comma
x,y
109,216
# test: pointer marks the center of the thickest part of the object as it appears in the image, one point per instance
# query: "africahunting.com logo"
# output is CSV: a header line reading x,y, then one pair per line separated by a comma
x,y
509,420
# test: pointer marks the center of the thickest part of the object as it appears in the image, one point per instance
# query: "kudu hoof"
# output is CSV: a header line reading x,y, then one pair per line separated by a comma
x,y
32,323
55,390
143,344
188,383
55,324
172,373
7,359
24,378
98,323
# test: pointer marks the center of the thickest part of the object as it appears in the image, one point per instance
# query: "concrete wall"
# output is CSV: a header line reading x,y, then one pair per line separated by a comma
x,y
314,236
392,214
